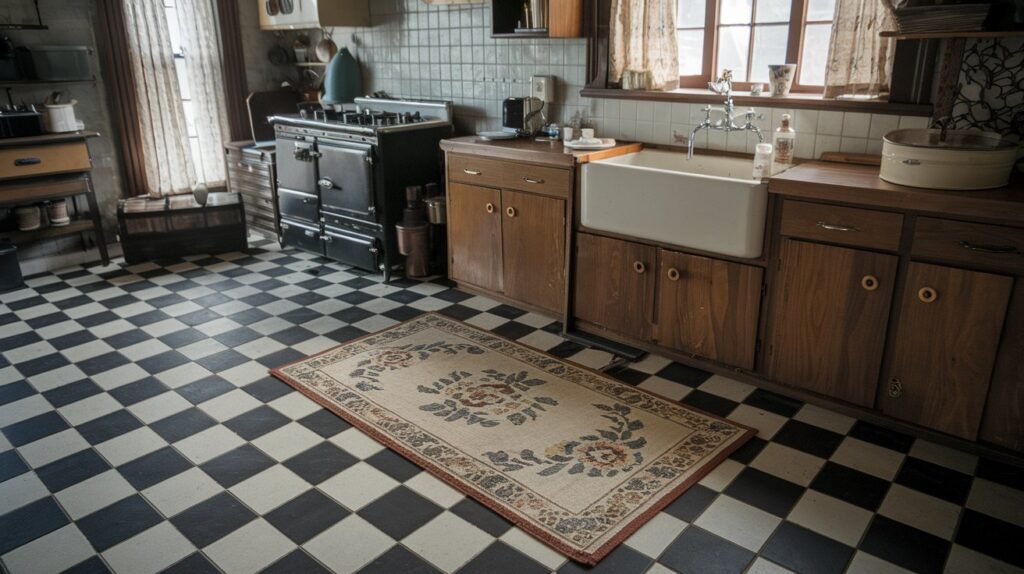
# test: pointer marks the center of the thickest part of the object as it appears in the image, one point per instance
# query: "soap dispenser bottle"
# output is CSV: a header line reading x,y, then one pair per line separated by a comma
x,y
783,144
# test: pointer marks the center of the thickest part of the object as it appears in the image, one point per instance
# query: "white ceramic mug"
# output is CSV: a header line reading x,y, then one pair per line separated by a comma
x,y
587,133
567,133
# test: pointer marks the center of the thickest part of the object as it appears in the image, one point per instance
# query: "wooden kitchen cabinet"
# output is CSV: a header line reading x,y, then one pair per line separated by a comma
x,y
708,307
614,284
830,308
474,228
944,347
533,248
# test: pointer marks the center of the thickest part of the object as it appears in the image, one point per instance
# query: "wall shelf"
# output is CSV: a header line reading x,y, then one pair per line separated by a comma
x,y
946,35
5,83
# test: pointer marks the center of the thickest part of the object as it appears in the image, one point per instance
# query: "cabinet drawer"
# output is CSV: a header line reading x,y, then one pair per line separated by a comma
x,y
476,170
843,225
43,160
510,175
971,243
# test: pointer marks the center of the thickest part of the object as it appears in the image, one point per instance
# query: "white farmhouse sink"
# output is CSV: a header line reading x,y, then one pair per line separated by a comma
x,y
707,203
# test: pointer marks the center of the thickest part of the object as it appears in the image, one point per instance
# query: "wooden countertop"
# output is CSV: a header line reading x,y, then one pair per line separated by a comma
x,y
859,185
532,151
48,139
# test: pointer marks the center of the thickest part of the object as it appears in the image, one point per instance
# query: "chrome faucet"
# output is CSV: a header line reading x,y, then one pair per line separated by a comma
x,y
723,86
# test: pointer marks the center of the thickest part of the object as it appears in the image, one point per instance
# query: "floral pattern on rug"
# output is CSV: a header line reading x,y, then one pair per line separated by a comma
x,y
401,357
487,399
604,454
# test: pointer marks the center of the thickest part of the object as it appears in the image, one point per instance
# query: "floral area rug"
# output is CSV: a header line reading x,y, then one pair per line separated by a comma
x,y
569,455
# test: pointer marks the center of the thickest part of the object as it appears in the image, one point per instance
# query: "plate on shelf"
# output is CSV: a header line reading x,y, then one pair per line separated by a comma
x,y
591,144
497,135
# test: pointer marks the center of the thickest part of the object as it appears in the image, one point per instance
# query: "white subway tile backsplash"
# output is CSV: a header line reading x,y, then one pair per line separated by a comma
x,y
830,123
882,124
853,145
806,121
824,143
856,125
644,111
913,122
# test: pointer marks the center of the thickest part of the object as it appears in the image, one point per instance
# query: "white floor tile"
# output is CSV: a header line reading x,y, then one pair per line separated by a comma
x,y
869,458
966,561
90,495
159,407
90,408
447,541
518,538
149,552
996,500
21,490
249,549
23,409
825,419
944,456
358,443
53,447
56,378
721,475
287,441
762,566
654,537
54,552
182,491
864,563
767,423
294,406
209,444
120,376
738,522
270,489
921,511
182,375
358,485
788,463
665,388
830,516
727,388
130,446
434,489
349,545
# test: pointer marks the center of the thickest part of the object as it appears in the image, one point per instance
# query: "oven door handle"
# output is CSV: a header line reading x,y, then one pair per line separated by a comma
x,y
326,183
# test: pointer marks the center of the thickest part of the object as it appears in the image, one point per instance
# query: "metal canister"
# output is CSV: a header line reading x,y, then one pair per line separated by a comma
x,y
437,210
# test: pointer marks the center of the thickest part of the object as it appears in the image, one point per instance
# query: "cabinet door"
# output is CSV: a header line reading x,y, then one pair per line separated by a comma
x,y
474,235
830,307
708,307
614,284
944,347
533,234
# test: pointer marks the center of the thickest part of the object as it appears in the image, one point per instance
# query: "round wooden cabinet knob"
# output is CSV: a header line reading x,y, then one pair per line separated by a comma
x,y
510,211
489,207
639,266
673,274
927,295
869,282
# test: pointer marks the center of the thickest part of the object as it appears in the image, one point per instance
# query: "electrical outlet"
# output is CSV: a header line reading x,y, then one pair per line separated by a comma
x,y
543,88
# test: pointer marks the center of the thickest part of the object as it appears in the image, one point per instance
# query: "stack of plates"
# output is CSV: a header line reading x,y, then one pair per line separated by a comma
x,y
592,143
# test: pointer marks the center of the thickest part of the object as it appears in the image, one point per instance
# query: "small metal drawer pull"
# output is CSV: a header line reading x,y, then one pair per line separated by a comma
x,y
27,161
308,200
471,171
997,249
530,180
639,266
895,388
836,227
489,207
673,274
911,162
510,211
927,295
869,282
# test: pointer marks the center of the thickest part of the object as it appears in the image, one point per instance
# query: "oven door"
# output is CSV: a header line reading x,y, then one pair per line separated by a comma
x,y
352,248
346,179
297,205
296,164
302,236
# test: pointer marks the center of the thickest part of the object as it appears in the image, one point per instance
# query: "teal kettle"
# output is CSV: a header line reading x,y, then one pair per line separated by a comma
x,y
343,82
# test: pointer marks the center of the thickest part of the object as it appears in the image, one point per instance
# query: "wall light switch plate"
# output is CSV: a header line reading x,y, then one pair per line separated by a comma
x,y
543,88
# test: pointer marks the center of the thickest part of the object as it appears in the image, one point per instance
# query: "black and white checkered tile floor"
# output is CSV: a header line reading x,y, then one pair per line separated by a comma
x,y
140,432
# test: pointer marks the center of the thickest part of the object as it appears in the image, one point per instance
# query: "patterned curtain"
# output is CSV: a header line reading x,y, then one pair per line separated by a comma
x,y
643,39
166,148
859,60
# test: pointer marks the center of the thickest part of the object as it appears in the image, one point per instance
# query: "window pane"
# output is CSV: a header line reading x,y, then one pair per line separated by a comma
x,y
733,44
691,52
820,10
690,13
772,11
735,12
815,54
769,48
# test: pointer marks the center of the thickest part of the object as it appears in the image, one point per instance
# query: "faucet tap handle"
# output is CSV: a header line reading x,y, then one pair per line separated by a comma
x,y
752,115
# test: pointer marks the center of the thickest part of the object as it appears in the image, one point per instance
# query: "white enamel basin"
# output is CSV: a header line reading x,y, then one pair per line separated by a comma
x,y
708,203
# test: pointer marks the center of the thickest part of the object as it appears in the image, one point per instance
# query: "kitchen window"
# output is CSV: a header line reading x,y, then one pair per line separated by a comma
x,y
746,36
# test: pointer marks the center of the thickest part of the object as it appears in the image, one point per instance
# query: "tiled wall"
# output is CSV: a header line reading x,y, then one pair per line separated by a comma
x,y
446,52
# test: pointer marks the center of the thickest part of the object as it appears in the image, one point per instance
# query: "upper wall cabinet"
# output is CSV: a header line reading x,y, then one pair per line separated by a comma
x,y
537,18
303,14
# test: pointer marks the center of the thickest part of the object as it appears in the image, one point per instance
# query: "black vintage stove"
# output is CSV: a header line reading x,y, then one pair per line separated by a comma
x,y
342,175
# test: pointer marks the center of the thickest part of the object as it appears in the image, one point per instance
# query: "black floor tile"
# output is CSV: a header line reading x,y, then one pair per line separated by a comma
x,y
72,393
257,422
513,330
400,512
182,425
692,503
850,485
877,435
396,560
934,479
15,392
292,335
93,565
280,358
807,552
904,546
237,337
500,557
19,340
749,451
118,522
482,517
102,363
127,338
11,465
991,536
324,423
306,516
41,365
697,550
268,389
30,522
459,312
154,468
680,373
138,391
109,426
808,438
321,462
70,340
1005,474
162,362
212,519
773,402
566,349
182,338
622,560
237,465
769,493
394,465
628,376
205,389
196,563
297,562
222,361
709,403
71,470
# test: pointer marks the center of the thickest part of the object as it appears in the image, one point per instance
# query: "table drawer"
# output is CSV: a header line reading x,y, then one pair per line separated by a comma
x,y
510,175
843,225
44,160
972,243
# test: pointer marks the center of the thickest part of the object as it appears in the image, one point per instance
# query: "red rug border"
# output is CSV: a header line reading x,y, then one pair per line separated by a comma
x,y
589,558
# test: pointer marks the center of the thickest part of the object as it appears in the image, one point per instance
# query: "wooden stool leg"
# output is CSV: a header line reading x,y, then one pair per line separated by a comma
x,y
97,224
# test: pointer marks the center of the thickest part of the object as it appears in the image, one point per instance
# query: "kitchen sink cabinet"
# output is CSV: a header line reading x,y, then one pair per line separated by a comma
x,y
708,307
829,312
944,347
474,228
614,284
533,249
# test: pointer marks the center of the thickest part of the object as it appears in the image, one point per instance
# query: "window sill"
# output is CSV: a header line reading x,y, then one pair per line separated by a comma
x,y
793,101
